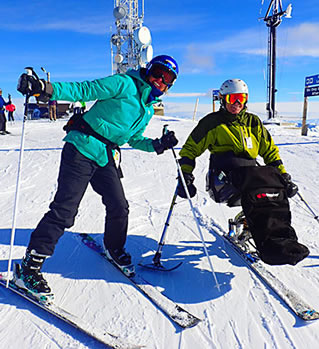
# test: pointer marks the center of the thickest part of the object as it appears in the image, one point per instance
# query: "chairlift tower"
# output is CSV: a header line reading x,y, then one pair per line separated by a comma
x,y
273,19
131,43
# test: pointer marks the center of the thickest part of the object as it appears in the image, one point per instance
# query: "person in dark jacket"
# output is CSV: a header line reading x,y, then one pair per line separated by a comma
x,y
234,139
3,120
123,108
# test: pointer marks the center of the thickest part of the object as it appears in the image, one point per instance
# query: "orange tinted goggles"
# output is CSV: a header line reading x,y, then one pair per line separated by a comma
x,y
236,97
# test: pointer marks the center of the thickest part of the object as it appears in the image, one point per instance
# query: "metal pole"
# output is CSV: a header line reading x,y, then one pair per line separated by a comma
x,y
158,254
195,218
273,72
273,21
16,199
315,216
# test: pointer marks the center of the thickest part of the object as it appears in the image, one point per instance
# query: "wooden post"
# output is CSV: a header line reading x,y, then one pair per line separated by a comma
x,y
195,110
304,128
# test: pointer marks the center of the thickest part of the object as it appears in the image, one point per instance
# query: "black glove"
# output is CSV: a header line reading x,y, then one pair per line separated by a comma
x,y
168,140
39,88
189,179
291,187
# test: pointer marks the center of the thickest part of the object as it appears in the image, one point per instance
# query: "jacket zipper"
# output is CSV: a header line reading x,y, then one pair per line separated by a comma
x,y
242,138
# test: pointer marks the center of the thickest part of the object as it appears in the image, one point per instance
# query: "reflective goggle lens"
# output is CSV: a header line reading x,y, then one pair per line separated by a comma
x,y
158,71
234,97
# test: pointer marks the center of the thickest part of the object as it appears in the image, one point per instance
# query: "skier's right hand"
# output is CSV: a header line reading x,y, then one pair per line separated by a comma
x,y
39,88
291,187
189,179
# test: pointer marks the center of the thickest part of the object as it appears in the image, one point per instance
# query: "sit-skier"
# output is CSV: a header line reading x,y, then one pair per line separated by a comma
x,y
234,139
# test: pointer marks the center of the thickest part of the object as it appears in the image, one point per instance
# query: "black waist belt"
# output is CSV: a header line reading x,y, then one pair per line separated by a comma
x,y
228,161
77,123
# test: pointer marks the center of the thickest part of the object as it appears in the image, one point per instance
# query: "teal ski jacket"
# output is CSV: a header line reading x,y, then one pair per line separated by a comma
x,y
120,113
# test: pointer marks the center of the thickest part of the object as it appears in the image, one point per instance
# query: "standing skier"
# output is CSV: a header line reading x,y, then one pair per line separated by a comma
x,y
120,115
52,109
10,108
3,120
235,138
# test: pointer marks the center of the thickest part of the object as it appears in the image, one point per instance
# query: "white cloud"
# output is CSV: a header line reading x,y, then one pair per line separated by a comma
x,y
89,25
295,41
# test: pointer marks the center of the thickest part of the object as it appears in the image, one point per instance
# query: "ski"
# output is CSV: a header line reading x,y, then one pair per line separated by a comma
x,y
288,296
176,313
160,267
111,340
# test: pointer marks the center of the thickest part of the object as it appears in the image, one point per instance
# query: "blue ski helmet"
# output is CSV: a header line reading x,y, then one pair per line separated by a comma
x,y
166,61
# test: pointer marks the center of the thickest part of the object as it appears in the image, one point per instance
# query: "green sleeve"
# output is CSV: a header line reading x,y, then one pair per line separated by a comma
x,y
268,150
198,141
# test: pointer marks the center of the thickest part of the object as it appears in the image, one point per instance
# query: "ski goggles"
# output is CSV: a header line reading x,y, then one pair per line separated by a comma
x,y
159,71
232,98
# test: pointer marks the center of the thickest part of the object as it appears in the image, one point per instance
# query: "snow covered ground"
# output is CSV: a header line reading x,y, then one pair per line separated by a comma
x,y
245,314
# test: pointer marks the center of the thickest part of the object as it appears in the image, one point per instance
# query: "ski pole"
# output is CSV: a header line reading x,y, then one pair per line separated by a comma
x,y
315,216
179,169
158,254
16,199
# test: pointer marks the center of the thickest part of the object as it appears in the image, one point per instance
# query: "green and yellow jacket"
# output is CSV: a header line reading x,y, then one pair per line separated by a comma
x,y
221,132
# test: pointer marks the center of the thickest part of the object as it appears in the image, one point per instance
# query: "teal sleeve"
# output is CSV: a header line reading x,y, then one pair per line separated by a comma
x,y
138,141
86,91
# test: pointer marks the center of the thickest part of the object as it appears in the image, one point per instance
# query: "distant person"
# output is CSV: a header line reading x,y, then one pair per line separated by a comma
x,y
77,106
3,120
10,108
234,139
52,109
91,154
83,107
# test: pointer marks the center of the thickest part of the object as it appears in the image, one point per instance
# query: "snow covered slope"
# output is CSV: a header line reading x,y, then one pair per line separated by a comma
x,y
245,314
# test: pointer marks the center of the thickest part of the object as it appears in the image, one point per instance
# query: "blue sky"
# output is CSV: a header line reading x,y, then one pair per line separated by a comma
x,y
211,40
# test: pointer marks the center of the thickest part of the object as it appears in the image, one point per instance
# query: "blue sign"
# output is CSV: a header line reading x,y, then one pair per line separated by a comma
x,y
312,80
312,91
215,94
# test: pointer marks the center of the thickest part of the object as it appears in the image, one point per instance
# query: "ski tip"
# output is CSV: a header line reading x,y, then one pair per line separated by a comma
x,y
189,322
309,315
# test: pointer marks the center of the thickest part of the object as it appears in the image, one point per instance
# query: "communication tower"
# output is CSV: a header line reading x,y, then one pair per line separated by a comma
x,y
131,44
273,20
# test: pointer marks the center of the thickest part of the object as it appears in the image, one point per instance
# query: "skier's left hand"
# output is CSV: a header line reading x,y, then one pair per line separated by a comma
x,y
291,187
39,88
189,179
167,141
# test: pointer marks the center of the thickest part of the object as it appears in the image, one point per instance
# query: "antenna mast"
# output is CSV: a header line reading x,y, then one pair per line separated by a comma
x,y
132,41
273,20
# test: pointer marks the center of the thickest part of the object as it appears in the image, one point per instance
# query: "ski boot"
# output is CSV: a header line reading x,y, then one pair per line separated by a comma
x,y
121,259
28,277
240,234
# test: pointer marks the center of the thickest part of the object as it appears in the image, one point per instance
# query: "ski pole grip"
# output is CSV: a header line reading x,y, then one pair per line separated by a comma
x,y
165,129
29,70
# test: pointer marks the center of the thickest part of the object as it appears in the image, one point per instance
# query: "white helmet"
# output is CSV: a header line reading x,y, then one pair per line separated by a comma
x,y
233,86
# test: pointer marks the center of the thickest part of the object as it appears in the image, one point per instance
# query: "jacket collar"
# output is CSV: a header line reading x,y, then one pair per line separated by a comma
x,y
141,84
229,117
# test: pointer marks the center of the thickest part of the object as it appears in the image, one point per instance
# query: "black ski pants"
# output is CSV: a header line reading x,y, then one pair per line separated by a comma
x,y
76,172
3,121
10,116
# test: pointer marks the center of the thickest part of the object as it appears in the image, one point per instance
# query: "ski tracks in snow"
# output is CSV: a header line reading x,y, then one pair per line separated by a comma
x,y
274,328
